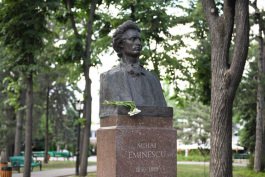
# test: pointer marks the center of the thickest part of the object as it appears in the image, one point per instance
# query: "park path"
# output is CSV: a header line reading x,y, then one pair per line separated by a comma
x,y
238,164
59,172
56,172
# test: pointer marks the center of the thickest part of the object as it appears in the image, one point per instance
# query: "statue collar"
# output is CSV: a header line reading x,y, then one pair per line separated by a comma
x,y
134,69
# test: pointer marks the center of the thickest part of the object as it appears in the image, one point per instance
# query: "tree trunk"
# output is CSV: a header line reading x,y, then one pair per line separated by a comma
x,y
86,132
4,158
221,134
259,159
87,92
19,121
46,158
259,145
19,124
10,134
226,75
29,120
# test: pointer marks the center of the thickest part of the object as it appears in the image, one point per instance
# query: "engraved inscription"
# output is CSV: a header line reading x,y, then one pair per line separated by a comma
x,y
152,151
147,150
146,145
147,154
152,169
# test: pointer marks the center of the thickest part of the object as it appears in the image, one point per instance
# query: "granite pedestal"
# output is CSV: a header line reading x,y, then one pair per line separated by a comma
x,y
143,145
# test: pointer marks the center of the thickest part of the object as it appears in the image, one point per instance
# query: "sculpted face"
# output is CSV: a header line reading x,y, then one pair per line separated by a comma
x,y
131,46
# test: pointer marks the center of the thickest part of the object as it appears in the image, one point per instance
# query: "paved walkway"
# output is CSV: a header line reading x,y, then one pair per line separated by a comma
x,y
207,163
56,172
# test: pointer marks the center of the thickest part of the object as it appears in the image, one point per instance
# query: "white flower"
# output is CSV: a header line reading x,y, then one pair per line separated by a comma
x,y
134,111
128,104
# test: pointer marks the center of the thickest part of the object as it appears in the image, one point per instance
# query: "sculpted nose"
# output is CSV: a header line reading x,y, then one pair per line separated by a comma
x,y
137,41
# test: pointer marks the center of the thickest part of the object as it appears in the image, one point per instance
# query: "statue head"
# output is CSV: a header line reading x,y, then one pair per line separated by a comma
x,y
127,41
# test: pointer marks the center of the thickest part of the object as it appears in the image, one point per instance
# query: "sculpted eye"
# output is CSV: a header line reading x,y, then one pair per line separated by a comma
x,y
134,38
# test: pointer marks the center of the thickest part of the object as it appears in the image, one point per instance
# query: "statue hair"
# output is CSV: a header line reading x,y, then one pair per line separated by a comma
x,y
117,36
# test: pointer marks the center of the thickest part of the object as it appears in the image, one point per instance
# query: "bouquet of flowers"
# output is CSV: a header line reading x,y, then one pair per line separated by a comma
x,y
129,104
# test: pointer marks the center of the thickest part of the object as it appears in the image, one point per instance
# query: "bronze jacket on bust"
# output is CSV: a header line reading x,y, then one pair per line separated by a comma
x,y
130,82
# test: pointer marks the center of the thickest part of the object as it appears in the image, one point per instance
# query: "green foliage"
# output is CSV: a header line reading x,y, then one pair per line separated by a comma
x,y
193,123
60,79
200,59
62,115
245,104
195,13
81,121
23,31
99,46
191,117
12,91
201,82
74,17
72,49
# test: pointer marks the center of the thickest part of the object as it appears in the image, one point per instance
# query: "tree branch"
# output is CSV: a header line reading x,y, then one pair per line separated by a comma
x,y
89,32
241,42
69,6
229,15
211,11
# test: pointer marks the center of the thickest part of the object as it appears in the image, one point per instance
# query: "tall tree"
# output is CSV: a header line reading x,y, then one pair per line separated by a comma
x,y
46,148
87,92
19,122
23,30
85,54
259,160
226,73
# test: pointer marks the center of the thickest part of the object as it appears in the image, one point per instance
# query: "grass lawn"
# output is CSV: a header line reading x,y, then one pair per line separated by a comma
x,y
51,165
183,170
57,164
200,171
193,170
195,157
203,171
245,172
60,164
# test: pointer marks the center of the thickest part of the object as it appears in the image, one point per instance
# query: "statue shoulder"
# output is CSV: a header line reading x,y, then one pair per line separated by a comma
x,y
149,74
112,72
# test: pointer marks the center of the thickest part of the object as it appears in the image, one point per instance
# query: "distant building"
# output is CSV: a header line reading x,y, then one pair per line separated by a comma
x,y
93,134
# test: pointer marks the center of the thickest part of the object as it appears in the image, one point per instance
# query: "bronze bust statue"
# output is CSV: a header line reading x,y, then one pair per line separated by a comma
x,y
129,81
